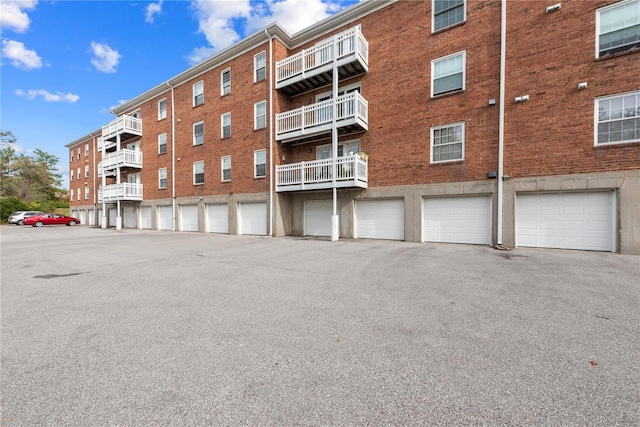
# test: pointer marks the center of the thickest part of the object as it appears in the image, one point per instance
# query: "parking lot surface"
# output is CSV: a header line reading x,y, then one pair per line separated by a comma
x,y
149,328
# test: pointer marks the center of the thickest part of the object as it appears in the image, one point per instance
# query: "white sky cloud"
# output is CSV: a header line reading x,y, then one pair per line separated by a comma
x,y
104,58
12,15
152,10
20,56
293,15
48,96
110,109
199,54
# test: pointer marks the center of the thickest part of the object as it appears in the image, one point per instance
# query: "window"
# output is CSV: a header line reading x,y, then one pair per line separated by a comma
x,y
78,173
198,93
260,163
225,82
71,157
162,143
86,192
618,119
71,177
344,148
618,28
162,109
78,194
162,178
71,195
447,13
226,168
198,173
78,153
447,143
260,115
226,125
260,66
86,150
198,133
448,74
86,171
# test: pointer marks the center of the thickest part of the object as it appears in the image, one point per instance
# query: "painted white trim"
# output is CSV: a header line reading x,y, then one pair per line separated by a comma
x,y
433,17
255,114
604,9
194,172
165,109
222,118
194,94
193,134
596,119
222,169
449,125
222,73
464,71
255,163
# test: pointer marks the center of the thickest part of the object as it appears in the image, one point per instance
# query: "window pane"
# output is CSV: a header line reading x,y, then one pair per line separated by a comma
x,y
619,28
447,13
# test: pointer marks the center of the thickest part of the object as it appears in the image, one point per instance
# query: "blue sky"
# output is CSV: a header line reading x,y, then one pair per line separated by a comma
x,y
65,64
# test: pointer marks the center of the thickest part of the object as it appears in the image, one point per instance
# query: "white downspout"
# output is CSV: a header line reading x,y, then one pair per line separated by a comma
x,y
503,50
271,168
173,160
104,185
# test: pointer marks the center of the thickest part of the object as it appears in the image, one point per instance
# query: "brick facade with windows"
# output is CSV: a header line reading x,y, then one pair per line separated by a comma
x,y
406,113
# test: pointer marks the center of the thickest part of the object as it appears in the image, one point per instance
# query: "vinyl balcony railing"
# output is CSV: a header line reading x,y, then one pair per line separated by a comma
x,y
122,191
350,171
351,109
122,158
345,47
124,125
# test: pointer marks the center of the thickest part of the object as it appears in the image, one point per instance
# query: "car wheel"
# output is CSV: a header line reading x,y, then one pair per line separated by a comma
x,y
71,223
20,222
38,224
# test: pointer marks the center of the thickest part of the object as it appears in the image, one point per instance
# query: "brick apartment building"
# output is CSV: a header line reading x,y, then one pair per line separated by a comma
x,y
407,120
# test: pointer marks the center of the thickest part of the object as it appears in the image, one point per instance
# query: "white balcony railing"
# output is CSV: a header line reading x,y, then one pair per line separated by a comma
x,y
122,158
122,191
351,108
348,45
107,144
351,171
123,124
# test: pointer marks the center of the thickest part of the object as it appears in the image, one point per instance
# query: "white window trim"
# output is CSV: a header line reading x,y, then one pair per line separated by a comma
x,y
222,169
433,17
86,192
160,116
596,120
604,9
222,82
194,95
86,171
448,125
160,187
255,68
464,72
344,144
255,115
78,198
194,172
255,163
222,116
165,143
78,174
86,150
201,122
78,153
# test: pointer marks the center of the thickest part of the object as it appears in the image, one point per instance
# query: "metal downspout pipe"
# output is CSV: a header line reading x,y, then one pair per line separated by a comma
x,y
271,167
173,160
503,49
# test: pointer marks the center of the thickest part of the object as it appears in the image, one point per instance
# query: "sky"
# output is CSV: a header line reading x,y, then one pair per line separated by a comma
x,y
65,64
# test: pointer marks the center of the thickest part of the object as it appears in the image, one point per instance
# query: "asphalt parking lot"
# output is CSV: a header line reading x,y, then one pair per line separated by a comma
x,y
148,328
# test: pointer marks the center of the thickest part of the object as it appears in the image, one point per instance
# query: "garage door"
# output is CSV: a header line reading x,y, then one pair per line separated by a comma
x,y
83,217
129,217
317,217
218,218
457,220
113,217
380,219
91,216
165,218
566,220
189,217
100,217
145,217
253,218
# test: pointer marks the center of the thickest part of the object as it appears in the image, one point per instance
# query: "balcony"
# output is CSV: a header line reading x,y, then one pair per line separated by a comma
x,y
316,119
313,68
122,159
351,171
127,127
122,191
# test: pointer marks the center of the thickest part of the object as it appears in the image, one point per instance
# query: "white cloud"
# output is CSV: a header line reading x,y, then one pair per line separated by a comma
x,y
48,96
217,19
199,54
20,56
105,58
152,10
12,15
293,15
110,109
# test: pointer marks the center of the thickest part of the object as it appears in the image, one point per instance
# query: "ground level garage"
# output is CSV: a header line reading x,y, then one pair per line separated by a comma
x,y
571,220
462,219
217,218
252,218
380,219
189,217
165,218
317,217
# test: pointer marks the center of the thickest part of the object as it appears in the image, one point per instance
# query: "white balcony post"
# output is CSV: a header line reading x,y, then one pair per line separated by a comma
x,y
335,219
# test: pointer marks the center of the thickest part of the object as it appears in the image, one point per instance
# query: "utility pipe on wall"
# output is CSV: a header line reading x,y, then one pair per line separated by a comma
x,y
503,50
271,168
173,161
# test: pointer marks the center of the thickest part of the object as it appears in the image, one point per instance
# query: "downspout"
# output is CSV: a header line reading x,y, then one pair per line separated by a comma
x,y
271,168
173,161
503,49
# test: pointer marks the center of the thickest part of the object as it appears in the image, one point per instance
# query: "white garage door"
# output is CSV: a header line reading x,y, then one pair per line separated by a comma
x,y
218,218
253,218
129,217
91,216
100,217
165,218
566,220
113,217
145,217
317,217
189,217
83,217
457,220
74,213
380,219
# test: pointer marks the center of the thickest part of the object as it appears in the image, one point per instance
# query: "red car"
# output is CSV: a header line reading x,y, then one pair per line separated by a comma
x,y
50,219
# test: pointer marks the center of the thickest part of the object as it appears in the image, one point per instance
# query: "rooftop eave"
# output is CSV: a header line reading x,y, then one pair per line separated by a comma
x,y
84,139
